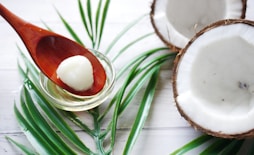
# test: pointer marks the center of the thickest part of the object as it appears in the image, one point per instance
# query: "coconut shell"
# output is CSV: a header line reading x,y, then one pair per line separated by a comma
x,y
181,53
169,44
163,39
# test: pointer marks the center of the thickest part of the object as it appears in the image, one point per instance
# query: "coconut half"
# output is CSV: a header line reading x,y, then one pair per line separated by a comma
x,y
177,21
213,79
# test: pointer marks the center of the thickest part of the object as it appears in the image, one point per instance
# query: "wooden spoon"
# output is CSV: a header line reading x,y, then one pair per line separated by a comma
x,y
49,49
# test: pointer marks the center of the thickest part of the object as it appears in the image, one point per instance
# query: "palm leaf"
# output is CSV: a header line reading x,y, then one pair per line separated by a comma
x,y
121,51
102,22
142,112
49,111
216,146
86,22
22,147
57,120
135,62
250,149
46,25
33,71
139,59
97,18
70,29
233,147
147,70
89,15
75,119
38,142
40,125
124,31
48,134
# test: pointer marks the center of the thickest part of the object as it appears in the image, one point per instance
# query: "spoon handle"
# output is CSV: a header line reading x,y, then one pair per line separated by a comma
x,y
16,22
29,33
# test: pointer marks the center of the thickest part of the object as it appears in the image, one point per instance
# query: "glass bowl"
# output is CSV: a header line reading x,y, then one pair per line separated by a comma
x,y
65,100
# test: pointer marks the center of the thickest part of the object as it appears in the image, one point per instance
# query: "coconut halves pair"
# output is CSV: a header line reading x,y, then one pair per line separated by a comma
x,y
213,74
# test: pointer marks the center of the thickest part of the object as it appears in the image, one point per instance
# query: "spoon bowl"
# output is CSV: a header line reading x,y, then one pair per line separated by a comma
x,y
49,49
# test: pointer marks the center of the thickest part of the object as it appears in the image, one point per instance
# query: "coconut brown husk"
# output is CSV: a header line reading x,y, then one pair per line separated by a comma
x,y
169,44
181,53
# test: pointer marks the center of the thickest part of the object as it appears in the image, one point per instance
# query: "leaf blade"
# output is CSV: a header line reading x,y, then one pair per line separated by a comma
x,y
22,147
102,22
124,31
142,112
35,139
85,22
192,144
70,29
42,126
57,120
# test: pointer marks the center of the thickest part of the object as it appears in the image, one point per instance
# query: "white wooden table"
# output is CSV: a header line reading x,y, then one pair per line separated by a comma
x,y
164,130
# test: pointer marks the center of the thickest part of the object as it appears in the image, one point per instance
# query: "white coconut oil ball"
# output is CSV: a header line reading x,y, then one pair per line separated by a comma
x,y
76,72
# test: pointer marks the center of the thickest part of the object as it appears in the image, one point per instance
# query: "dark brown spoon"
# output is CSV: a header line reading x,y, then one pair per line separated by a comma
x,y
49,49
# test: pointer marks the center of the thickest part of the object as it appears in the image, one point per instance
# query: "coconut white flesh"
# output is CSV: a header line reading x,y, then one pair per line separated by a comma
x,y
179,20
76,72
215,80
249,10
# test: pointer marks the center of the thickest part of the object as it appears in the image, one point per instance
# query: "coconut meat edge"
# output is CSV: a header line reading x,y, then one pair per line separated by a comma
x,y
215,80
178,21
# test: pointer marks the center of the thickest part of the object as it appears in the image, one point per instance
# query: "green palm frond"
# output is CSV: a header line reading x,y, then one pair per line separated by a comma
x,y
29,108
223,147
24,148
94,28
48,130
36,108
70,30
85,22
102,21
193,144
38,142
121,51
40,125
124,31
143,111
214,145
